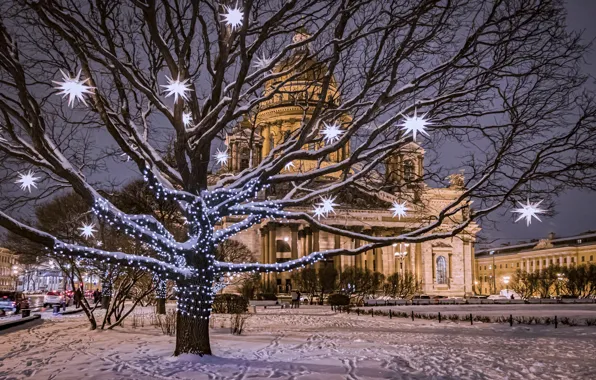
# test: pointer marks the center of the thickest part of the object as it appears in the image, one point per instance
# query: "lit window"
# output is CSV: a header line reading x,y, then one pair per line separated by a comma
x,y
441,270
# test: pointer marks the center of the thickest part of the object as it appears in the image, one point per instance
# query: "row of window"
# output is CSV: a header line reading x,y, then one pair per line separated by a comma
x,y
6,259
551,262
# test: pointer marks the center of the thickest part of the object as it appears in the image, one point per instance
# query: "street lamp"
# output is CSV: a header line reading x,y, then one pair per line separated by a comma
x,y
15,273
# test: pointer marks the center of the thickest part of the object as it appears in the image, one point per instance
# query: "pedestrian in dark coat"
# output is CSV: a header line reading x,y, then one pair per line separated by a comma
x,y
78,295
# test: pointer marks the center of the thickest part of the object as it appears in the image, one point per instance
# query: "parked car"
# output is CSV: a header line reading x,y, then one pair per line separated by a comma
x,y
53,298
421,297
11,301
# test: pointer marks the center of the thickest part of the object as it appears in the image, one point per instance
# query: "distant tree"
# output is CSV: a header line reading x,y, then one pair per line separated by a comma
x,y
524,283
307,281
400,285
580,280
234,251
327,280
547,279
360,282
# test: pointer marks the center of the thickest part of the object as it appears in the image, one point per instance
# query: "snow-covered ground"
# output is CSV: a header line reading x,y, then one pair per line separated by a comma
x,y
308,343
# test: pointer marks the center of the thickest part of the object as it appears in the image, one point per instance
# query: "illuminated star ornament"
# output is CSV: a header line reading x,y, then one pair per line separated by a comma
x,y
74,88
262,62
331,133
319,212
326,206
399,209
186,119
289,166
87,230
415,124
232,16
27,180
177,88
528,211
221,157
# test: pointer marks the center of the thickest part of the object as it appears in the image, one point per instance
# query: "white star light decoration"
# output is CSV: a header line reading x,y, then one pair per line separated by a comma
x,y
262,62
399,209
27,180
221,157
177,88
331,133
415,124
186,119
232,16
74,88
88,230
528,211
326,206
289,166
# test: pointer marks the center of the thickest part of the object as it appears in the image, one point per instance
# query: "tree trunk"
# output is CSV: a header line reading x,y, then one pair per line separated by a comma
x,y
195,297
160,306
105,302
192,335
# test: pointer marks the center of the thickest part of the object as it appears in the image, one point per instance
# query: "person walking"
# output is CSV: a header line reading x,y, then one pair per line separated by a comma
x,y
294,299
96,296
78,294
298,299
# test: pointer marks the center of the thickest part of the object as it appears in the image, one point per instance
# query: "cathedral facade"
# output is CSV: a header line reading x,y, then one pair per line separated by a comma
x,y
442,267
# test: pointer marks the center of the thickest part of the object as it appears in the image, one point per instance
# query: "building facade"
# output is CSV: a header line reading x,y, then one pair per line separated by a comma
x,y
495,267
443,267
7,277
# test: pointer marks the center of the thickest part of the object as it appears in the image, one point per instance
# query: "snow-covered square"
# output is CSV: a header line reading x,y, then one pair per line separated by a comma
x,y
306,343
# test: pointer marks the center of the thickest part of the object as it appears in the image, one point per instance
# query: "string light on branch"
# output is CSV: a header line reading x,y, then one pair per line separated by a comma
x,y
232,16
25,181
88,230
74,88
331,133
529,211
177,88
399,209
415,124
221,157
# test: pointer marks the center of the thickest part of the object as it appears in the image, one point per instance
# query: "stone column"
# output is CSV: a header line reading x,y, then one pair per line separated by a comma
x,y
294,229
357,258
434,269
540,263
378,254
315,246
264,246
449,263
337,259
234,153
266,133
272,251
308,241
302,235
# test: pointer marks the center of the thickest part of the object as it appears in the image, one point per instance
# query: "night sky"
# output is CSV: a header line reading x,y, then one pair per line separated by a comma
x,y
575,211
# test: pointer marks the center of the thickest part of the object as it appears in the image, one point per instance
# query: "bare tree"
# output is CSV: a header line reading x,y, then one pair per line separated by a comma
x,y
499,78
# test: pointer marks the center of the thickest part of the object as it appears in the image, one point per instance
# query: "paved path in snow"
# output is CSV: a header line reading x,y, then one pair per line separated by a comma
x,y
308,343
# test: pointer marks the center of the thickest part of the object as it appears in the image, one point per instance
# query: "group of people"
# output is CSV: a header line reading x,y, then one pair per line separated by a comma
x,y
295,299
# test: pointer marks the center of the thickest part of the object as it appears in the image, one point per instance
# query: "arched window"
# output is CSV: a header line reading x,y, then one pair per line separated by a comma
x,y
441,270
409,171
